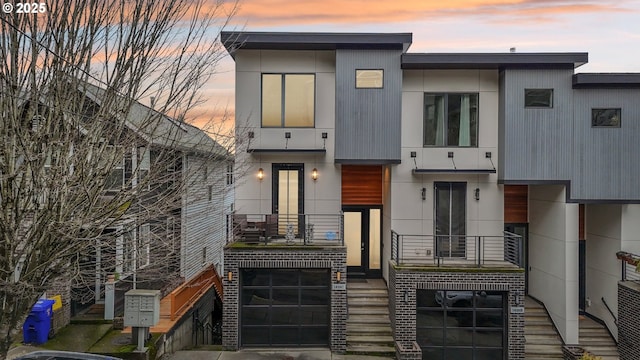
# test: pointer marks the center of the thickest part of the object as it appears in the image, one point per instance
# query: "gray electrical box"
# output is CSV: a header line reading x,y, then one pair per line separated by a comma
x,y
141,308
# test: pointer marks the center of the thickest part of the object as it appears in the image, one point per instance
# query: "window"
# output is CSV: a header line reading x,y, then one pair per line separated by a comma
x,y
210,192
451,120
230,173
538,98
204,255
145,165
288,100
144,244
606,117
369,79
115,178
205,173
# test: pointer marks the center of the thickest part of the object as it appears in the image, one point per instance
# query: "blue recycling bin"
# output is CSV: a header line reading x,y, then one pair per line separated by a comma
x,y
38,324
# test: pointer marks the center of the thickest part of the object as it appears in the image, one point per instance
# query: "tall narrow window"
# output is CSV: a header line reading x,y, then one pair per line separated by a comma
x,y
451,120
288,100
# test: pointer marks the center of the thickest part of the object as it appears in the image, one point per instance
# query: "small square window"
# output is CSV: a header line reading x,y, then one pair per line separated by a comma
x,y
606,117
538,98
369,79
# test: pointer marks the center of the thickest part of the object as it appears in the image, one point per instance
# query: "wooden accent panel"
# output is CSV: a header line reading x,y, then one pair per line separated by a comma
x,y
516,203
361,185
581,222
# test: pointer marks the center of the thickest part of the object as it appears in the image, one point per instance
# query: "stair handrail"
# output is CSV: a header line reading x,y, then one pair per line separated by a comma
x,y
615,320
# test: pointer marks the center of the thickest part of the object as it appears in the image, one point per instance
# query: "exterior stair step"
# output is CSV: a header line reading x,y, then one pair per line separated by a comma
x,y
368,324
542,341
375,350
369,311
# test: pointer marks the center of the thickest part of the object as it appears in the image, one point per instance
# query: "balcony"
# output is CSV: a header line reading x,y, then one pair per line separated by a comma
x,y
286,229
457,250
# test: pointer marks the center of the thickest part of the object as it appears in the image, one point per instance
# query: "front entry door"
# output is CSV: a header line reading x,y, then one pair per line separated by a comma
x,y
451,220
362,230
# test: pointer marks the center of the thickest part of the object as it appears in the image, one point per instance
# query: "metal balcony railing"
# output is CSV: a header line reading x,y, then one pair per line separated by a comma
x,y
300,229
465,250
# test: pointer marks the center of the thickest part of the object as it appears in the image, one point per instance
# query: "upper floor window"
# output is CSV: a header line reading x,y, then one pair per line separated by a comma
x,y
288,100
606,117
369,79
451,120
538,98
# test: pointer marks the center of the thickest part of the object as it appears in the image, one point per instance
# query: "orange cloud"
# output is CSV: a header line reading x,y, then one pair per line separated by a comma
x,y
286,12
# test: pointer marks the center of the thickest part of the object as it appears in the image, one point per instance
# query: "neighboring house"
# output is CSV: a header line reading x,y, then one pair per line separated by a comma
x,y
462,180
175,240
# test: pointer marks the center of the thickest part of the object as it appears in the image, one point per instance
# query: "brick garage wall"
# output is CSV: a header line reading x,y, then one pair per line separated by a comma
x,y
403,314
284,258
628,320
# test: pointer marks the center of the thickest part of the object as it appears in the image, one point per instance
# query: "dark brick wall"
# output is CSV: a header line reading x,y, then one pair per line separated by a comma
x,y
629,320
281,258
407,280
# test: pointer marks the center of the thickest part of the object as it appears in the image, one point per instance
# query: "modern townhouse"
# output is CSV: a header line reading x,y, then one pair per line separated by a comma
x,y
463,181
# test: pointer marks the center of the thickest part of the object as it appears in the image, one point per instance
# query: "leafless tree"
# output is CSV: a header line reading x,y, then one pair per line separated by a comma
x,y
82,162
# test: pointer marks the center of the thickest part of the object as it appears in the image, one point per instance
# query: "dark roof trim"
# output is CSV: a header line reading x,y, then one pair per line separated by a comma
x,y
367,161
287,151
607,81
494,60
313,41
453,171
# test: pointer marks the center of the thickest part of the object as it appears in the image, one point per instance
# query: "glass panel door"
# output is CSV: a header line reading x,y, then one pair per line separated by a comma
x,y
362,234
288,195
353,237
450,221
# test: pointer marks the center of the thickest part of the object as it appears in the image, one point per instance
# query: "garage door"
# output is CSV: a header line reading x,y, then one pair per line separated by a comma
x,y
462,324
285,307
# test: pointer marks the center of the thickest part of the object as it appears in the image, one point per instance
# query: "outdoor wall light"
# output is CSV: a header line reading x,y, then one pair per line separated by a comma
x,y
314,174
405,297
260,174
338,276
476,194
229,276
424,193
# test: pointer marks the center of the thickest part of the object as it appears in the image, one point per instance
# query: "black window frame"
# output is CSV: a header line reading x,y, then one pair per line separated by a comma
x,y
596,111
446,119
283,102
534,106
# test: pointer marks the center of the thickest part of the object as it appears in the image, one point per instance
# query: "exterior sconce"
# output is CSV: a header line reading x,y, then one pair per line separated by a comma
x,y
424,194
260,174
230,276
314,174
405,297
476,194
338,276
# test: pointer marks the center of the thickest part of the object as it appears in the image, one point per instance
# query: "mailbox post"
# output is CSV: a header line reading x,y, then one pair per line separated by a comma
x,y
141,311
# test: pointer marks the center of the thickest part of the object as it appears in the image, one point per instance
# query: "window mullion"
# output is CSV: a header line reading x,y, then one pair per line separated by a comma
x,y
282,97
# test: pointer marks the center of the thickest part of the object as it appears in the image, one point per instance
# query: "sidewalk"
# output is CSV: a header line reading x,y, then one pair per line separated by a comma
x,y
282,354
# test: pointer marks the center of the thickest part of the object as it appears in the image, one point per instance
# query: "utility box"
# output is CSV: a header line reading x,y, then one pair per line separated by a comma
x,y
141,308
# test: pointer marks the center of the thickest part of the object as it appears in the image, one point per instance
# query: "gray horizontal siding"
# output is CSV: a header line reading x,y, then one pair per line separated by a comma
x,y
368,120
559,144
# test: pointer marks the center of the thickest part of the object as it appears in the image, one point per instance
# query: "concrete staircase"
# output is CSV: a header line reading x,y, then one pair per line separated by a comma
x,y
595,338
368,325
541,338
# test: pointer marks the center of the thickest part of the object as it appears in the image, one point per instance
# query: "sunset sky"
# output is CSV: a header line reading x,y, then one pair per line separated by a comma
x,y
608,30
